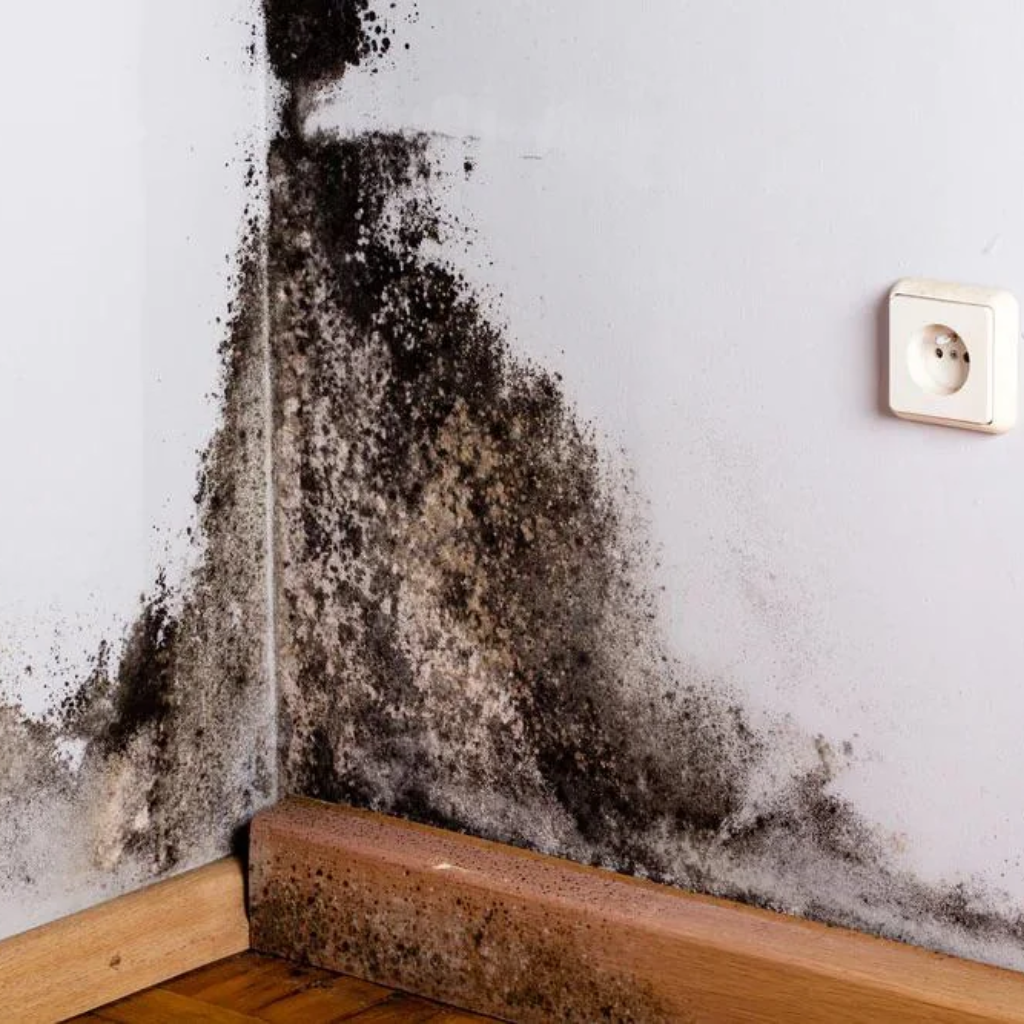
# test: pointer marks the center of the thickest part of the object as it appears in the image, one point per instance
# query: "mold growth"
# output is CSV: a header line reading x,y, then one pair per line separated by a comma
x,y
467,628
313,41
172,737
487,953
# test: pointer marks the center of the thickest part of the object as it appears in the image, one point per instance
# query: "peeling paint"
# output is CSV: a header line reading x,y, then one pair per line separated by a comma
x,y
468,626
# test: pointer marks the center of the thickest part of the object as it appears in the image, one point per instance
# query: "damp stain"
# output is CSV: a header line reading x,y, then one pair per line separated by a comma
x,y
468,628
173,733
484,951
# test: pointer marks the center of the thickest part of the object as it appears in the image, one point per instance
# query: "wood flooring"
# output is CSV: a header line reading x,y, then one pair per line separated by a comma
x,y
254,988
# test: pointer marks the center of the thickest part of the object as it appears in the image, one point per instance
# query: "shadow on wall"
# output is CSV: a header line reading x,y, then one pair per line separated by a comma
x,y
467,629
881,362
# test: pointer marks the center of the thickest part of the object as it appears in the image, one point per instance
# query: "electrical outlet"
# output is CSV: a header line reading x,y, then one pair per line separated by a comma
x,y
953,355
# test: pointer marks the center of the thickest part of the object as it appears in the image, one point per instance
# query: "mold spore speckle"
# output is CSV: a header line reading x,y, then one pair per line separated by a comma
x,y
171,736
468,635
482,956
312,41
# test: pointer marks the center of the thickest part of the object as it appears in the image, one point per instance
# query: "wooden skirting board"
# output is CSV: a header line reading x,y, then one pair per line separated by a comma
x,y
492,929
535,939
120,947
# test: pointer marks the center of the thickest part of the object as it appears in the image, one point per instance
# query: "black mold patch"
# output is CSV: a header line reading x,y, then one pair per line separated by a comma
x,y
140,696
174,732
310,41
468,636
480,954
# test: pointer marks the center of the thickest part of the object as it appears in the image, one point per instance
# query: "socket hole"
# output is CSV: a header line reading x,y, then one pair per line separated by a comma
x,y
938,360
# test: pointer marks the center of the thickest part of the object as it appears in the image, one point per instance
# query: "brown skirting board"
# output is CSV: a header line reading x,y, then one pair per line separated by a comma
x,y
120,947
536,939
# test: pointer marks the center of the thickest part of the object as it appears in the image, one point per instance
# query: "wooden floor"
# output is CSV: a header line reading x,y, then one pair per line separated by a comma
x,y
251,987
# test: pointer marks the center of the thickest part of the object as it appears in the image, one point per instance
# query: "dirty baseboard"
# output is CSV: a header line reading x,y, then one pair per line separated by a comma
x,y
131,943
530,938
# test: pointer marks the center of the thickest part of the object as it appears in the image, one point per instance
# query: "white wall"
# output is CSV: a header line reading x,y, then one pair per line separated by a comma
x,y
125,130
694,211
73,224
122,190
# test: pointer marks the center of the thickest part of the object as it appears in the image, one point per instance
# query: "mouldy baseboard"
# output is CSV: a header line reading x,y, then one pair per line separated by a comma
x,y
131,943
531,938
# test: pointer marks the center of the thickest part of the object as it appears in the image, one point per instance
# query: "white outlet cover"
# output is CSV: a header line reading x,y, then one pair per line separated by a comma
x,y
953,354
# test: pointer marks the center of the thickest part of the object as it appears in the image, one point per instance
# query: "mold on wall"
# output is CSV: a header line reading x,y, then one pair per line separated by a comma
x,y
468,623
155,760
150,758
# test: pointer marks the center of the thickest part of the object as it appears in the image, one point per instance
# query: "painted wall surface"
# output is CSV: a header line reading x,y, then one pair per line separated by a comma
x,y
130,131
592,533
629,268
695,216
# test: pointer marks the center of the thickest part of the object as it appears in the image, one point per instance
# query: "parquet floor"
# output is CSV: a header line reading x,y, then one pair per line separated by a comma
x,y
254,988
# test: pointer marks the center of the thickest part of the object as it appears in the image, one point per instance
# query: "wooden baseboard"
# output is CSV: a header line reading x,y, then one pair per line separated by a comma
x,y
92,958
535,939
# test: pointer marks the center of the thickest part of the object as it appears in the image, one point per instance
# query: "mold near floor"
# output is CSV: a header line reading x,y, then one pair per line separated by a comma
x,y
467,625
173,738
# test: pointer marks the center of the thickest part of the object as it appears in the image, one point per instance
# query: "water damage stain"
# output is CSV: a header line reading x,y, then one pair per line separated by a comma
x,y
467,630
173,735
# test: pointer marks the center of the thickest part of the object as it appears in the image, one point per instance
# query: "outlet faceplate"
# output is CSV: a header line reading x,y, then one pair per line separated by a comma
x,y
953,355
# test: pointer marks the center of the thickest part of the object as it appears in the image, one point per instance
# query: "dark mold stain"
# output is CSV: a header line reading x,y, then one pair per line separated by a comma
x,y
174,730
139,696
482,956
312,41
467,631
468,635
